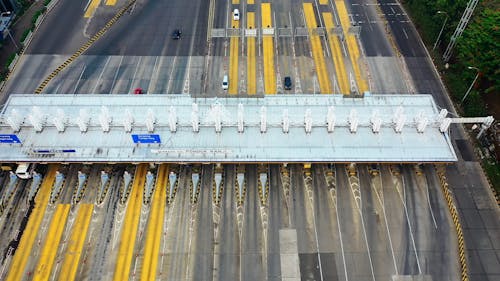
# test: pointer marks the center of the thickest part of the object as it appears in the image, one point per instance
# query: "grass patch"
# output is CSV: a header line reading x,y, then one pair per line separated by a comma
x,y
492,170
25,34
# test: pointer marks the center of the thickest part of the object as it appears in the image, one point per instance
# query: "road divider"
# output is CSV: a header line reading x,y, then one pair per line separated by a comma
x,y
130,225
233,60
155,226
338,58
268,50
76,242
251,72
352,45
317,50
49,251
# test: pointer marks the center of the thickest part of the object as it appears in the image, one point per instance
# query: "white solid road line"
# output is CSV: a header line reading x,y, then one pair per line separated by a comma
x,y
169,84
430,207
154,77
79,78
340,232
132,86
409,224
366,237
116,75
100,75
387,224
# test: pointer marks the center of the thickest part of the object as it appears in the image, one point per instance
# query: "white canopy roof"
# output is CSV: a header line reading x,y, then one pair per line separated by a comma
x,y
178,128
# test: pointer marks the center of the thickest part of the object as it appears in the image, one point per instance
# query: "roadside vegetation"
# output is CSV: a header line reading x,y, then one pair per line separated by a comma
x,y
476,53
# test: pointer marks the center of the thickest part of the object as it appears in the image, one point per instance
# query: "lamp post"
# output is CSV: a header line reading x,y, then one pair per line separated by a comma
x,y
442,28
471,85
8,30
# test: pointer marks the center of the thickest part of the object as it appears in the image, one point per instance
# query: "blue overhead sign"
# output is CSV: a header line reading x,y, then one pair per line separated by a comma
x,y
146,138
9,139
53,151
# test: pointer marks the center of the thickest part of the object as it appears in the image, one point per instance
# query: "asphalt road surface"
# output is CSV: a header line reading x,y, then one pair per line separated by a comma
x,y
338,227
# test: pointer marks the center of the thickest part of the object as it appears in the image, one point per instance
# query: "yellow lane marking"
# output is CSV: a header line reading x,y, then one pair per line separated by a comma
x,y
317,50
23,252
130,224
338,60
233,61
250,2
268,51
111,2
323,2
91,8
76,242
352,45
49,251
155,226
236,2
251,74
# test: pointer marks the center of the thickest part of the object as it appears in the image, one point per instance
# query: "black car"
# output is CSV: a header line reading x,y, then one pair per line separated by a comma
x,y
176,34
287,83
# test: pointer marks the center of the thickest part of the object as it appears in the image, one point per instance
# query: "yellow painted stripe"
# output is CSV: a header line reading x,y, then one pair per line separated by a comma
x,y
76,242
91,8
236,2
111,2
251,73
268,51
155,226
352,45
338,60
23,252
233,61
49,251
317,50
323,2
250,2
130,224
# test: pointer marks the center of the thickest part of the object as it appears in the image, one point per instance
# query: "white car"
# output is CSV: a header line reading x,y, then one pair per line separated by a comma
x,y
236,14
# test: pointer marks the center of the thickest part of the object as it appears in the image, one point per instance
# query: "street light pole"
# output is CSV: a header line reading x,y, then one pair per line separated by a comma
x,y
8,29
471,85
442,28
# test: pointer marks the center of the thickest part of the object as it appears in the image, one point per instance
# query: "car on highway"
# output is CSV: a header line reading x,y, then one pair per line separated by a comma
x,y
287,83
138,91
236,14
176,34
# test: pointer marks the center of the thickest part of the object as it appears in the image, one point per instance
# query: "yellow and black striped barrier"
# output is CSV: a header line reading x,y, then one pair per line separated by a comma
x,y
454,214
84,47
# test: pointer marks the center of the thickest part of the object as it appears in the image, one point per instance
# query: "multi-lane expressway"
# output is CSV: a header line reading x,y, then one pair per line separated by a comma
x,y
328,222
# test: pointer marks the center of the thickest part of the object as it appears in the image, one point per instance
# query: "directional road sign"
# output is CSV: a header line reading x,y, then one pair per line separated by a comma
x,y
146,138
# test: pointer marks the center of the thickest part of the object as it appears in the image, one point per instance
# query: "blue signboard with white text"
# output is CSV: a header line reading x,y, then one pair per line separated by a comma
x,y
146,138
9,139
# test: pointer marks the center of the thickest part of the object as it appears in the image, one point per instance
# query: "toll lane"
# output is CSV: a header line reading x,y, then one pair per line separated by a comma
x,y
338,57
129,228
47,257
268,51
73,253
155,226
22,254
317,50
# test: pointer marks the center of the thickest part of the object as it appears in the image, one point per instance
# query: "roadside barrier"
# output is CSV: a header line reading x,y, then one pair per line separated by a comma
x,y
454,214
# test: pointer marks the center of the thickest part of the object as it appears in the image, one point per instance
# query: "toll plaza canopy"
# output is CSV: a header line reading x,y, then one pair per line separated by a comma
x,y
179,128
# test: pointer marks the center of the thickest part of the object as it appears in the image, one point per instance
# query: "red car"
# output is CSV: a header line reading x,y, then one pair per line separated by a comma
x,y
138,91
